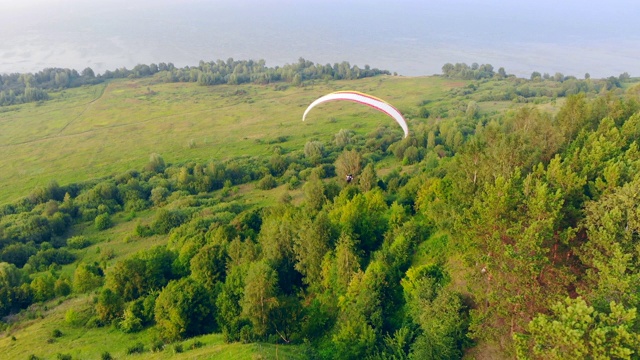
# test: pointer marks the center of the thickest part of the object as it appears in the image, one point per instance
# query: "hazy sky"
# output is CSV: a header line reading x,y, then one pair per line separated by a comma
x,y
409,37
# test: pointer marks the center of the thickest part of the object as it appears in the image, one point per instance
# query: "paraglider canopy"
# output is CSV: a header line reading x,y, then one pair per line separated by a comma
x,y
364,99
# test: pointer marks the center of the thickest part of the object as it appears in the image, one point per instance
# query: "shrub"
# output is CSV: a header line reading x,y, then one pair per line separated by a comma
x,y
94,322
103,222
136,349
62,287
131,323
56,333
267,182
177,348
294,182
106,356
196,345
73,318
78,242
157,345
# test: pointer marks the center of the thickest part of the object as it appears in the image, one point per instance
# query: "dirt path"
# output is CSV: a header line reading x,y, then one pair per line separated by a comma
x,y
104,89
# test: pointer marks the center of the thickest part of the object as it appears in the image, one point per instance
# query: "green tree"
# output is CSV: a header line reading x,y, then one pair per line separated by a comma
x,y
514,225
87,277
314,150
228,304
310,246
78,242
208,266
109,306
62,287
411,155
155,164
314,192
131,322
368,179
43,287
277,237
103,222
260,296
347,262
159,194
127,278
183,309
572,116
12,280
577,331
439,312
610,251
268,182
348,162
363,218
473,110
342,138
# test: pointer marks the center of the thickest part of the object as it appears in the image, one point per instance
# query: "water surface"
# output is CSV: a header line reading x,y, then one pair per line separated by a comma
x,y
408,37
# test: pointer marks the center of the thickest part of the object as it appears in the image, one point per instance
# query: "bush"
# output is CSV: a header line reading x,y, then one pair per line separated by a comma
x,y
131,323
136,349
157,345
196,345
411,156
177,348
103,222
294,182
94,322
63,357
106,356
73,318
62,287
165,220
78,242
56,333
267,182
44,258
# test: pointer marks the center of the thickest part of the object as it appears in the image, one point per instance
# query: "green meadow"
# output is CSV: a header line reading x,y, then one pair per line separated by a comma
x,y
95,131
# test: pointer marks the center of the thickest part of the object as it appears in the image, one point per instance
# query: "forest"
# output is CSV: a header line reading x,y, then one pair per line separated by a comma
x,y
505,234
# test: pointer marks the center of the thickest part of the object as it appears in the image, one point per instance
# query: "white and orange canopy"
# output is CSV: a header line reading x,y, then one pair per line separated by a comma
x,y
364,99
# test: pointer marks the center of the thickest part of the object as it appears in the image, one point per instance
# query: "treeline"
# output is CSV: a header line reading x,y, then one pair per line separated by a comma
x,y
22,88
486,71
488,85
234,72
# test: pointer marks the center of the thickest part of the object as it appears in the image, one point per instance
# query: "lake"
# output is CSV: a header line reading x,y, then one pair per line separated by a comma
x,y
408,37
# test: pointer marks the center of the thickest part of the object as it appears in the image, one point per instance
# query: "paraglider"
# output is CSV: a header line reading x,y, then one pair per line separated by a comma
x,y
364,99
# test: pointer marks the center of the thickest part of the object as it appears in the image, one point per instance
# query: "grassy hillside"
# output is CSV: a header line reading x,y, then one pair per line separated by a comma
x,y
34,337
100,130
424,188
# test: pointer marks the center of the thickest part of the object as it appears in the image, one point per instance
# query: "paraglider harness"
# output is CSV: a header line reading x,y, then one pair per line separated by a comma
x,y
349,178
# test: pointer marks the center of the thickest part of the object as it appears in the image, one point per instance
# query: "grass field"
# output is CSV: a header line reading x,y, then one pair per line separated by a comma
x,y
95,131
